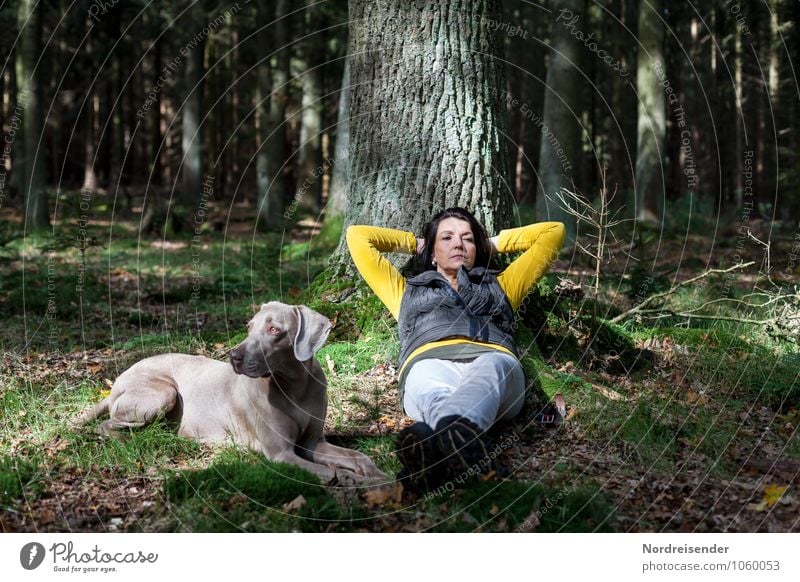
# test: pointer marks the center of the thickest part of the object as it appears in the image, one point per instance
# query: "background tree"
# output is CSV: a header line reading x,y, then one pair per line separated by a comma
x,y
560,150
31,162
192,107
650,145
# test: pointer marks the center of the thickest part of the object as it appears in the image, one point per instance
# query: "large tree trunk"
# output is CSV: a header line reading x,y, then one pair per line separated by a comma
x,y
427,114
650,152
340,179
560,151
29,104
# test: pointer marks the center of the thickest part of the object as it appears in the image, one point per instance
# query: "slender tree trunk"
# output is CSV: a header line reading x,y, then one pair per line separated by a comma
x,y
272,86
427,114
770,111
235,92
90,125
526,96
789,144
309,156
29,101
191,134
741,124
650,152
117,101
272,154
340,181
560,151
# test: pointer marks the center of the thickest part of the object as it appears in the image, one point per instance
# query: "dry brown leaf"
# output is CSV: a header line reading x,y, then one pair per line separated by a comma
x,y
388,421
295,504
383,496
46,516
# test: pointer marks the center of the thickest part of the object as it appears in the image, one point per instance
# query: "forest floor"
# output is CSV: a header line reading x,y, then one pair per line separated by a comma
x,y
690,425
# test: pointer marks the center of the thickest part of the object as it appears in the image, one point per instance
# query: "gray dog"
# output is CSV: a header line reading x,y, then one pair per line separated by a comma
x,y
272,397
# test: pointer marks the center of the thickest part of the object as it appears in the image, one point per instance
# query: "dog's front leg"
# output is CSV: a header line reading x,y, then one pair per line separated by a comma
x,y
324,472
325,453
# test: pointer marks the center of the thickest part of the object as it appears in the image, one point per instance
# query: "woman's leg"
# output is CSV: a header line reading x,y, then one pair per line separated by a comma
x,y
490,388
429,383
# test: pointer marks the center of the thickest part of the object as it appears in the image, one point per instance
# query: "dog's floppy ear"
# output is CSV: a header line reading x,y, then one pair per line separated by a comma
x,y
312,331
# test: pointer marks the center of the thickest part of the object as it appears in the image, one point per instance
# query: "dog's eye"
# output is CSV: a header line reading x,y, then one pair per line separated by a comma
x,y
272,330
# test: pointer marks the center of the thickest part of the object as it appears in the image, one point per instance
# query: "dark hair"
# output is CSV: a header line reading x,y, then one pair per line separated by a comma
x,y
483,249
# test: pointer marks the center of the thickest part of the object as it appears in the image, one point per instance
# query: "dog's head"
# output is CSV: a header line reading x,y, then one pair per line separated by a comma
x,y
279,336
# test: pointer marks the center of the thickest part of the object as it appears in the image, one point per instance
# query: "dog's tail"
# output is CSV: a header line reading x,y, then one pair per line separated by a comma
x,y
90,414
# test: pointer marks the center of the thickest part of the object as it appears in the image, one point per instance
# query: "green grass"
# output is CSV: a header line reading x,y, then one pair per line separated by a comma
x,y
721,357
244,492
17,477
520,506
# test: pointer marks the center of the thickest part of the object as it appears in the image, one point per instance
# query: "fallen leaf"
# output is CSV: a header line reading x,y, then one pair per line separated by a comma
x,y
330,363
382,496
387,421
773,494
46,516
295,504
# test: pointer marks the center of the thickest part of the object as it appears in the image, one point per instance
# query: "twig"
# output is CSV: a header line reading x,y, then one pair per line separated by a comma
x,y
638,308
662,313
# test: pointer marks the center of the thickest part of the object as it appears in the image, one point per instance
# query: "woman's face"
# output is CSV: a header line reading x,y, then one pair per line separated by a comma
x,y
454,246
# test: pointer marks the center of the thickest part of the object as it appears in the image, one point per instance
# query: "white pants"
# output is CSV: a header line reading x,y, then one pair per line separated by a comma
x,y
491,387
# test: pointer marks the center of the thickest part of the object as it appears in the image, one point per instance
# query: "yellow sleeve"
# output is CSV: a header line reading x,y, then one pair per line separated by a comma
x,y
540,243
366,243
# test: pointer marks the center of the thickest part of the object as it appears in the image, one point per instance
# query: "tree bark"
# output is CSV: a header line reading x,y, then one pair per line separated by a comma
x,y
560,151
427,114
29,102
650,152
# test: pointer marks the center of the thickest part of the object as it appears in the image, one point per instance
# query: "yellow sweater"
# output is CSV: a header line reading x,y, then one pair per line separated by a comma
x,y
539,243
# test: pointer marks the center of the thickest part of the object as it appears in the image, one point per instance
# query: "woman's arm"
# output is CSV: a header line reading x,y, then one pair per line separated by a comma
x,y
540,243
366,243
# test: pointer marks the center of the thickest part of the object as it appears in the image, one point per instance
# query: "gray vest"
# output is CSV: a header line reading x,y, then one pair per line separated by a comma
x,y
432,310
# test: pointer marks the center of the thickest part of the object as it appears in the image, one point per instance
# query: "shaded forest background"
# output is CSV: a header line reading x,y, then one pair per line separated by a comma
x,y
163,109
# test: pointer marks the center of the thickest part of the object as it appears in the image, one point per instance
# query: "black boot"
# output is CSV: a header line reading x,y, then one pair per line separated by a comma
x,y
464,448
422,467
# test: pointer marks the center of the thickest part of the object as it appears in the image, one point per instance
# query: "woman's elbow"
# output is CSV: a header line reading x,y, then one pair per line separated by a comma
x,y
555,232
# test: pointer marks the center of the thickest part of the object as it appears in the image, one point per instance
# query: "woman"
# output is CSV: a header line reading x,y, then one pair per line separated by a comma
x,y
459,365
